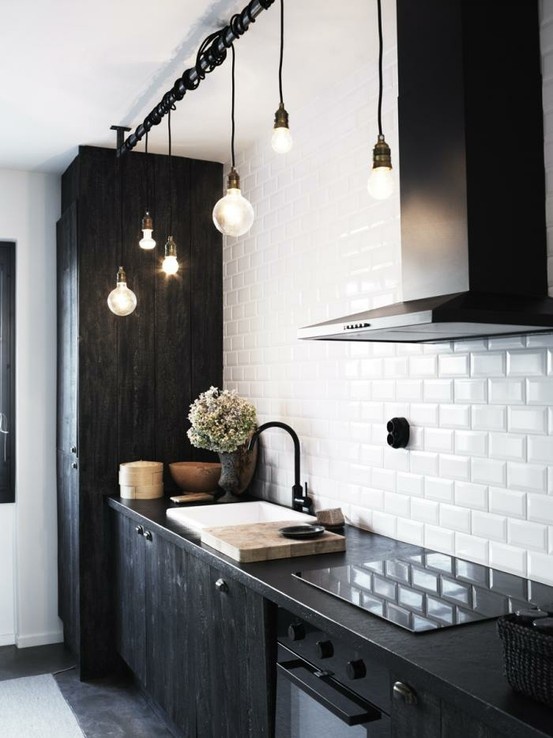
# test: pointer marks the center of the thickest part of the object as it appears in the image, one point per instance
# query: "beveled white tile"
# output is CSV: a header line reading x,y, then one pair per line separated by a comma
x,y
410,484
540,567
530,477
472,548
438,439
527,419
383,479
487,364
454,467
507,502
423,366
506,391
399,505
384,524
455,518
489,417
439,539
540,391
526,363
410,531
453,365
438,489
489,526
474,496
424,463
507,446
423,414
488,471
540,508
472,443
470,390
527,535
454,416
438,390
540,449
425,511
508,558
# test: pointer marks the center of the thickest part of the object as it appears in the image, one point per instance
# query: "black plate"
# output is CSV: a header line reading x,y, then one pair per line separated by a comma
x,y
302,531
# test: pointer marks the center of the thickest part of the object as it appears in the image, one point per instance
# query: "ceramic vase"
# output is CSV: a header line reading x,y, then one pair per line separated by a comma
x,y
237,470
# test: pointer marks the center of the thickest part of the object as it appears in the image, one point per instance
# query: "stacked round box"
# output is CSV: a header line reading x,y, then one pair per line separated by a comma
x,y
141,480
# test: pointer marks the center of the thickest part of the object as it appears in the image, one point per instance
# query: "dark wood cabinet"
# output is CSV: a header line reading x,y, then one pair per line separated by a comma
x,y
125,384
199,642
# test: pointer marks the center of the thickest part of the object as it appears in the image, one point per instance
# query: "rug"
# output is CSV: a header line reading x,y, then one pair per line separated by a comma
x,y
33,707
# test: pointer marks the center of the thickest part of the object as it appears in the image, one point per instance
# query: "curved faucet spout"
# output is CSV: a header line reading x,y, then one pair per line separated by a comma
x,y
299,500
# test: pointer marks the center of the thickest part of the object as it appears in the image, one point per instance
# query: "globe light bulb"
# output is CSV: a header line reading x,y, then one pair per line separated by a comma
x,y
121,300
380,184
170,264
281,140
147,242
233,215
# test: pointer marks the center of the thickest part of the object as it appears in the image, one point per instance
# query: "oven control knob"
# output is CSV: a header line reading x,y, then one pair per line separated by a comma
x,y
356,669
296,632
325,649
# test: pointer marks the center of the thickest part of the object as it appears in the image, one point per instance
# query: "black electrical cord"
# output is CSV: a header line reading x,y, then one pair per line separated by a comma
x,y
281,50
381,44
170,170
233,126
147,177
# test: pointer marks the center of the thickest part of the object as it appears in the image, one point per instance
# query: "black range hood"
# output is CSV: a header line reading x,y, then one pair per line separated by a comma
x,y
472,180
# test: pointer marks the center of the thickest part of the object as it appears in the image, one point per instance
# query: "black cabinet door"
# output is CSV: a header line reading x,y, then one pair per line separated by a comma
x,y
416,713
233,657
129,551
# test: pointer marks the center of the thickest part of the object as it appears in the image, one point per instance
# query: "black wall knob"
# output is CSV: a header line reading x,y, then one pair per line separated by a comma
x,y
356,669
325,649
296,631
139,530
398,432
148,535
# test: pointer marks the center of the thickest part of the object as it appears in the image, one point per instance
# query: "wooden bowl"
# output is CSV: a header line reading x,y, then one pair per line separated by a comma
x,y
196,476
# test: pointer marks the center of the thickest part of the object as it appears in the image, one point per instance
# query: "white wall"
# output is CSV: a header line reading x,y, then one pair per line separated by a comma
x,y
29,208
477,479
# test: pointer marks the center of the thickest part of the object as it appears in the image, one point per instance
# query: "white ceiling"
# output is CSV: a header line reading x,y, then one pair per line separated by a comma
x,y
73,68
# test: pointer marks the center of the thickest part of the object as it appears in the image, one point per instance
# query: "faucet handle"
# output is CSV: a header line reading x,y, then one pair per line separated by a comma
x,y
302,502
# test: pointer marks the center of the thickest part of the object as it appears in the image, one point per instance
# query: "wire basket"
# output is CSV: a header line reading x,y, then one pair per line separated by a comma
x,y
528,657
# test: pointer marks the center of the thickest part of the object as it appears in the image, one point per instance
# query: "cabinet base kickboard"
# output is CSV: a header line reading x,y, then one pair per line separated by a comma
x,y
262,542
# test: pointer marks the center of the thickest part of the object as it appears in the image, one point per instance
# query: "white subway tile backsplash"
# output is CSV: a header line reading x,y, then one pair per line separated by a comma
x,y
527,535
488,417
488,364
477,477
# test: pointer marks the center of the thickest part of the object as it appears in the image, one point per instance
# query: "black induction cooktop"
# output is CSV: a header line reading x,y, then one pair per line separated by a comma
x,y
429,590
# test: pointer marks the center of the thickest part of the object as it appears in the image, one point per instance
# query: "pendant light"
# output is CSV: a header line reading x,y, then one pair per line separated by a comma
x,y
121,300
281,140
233,215
381,180
147,242
170,264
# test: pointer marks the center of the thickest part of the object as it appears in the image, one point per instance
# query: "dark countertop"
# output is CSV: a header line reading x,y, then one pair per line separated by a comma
x,y
462,665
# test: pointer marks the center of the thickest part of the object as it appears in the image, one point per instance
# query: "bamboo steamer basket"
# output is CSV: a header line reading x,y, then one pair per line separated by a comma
x,y
141,480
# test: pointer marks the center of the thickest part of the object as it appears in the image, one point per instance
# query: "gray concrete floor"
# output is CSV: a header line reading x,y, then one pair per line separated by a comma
x,y
112,707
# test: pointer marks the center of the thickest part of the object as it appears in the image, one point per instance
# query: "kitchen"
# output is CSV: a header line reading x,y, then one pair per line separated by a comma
x,y
475,480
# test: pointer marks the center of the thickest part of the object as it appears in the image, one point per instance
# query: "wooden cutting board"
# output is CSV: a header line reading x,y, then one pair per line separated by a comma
x,y
262,541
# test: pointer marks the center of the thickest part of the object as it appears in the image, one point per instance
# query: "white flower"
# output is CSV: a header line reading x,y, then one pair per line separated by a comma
x,y
221,420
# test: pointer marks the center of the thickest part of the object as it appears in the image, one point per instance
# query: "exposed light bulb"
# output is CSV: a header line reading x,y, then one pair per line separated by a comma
x,y
147,242
233,215
281,140
121,300
380,184
170,264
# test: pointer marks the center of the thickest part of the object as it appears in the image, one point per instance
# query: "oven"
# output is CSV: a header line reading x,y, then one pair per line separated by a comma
x,y
325,688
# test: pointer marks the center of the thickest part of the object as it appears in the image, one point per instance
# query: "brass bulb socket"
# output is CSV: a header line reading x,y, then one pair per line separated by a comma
x,y
147,222
233,182
121,276
281,117
382,155
170,247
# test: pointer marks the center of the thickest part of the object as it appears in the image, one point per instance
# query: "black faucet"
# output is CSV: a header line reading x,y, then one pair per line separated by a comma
x,y
300,501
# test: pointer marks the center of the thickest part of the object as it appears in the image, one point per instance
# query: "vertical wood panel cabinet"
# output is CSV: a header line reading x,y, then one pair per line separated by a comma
x,y
125,383
198,641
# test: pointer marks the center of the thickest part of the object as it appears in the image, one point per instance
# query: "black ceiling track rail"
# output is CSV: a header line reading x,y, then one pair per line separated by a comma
x,y
212,53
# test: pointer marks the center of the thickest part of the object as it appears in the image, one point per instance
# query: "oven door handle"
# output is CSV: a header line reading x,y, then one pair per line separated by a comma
x,y
349,707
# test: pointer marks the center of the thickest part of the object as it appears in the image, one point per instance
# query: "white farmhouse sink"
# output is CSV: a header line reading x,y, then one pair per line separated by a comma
x,y
235,513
